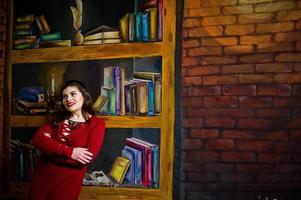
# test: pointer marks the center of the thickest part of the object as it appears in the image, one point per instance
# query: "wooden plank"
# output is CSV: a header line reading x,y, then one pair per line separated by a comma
x,y
106,193
93,52
111,121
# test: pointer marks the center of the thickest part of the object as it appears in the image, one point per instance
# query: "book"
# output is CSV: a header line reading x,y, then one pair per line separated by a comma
x,y
131,28
119,169
32,94
22,33
138,26
124,27
130,174
110,93
22,26
27,104
117,81
137,162
148,4
44,24
142,97
128,98
25,40
100,104
102,41
109,77
55,43
25,18
101,28
103,35
50,37
160,19
145,26
153,23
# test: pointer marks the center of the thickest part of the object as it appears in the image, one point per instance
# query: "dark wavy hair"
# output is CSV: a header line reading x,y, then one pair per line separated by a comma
x,y
62,114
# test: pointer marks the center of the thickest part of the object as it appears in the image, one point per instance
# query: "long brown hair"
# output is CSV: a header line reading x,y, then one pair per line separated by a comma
x,y
87,109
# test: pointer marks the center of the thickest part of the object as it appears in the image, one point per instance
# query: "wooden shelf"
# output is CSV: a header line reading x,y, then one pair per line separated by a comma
x,y
111,121
106,193
93,52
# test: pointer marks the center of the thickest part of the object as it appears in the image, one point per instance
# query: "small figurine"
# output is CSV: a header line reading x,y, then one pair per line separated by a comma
x,y
77,22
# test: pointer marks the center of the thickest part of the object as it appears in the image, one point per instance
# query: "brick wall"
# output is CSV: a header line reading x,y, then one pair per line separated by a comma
x,y
241,99
2,64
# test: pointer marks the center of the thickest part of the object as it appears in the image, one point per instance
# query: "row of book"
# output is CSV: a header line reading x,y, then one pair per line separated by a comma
x,y
144,24
23,158
140,95
138,164
32,31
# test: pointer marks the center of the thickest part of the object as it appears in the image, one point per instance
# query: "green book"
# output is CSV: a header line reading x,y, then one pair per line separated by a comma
x,y
50,37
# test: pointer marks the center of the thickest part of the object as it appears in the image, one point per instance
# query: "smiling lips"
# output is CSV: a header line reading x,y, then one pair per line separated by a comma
x,y
69,104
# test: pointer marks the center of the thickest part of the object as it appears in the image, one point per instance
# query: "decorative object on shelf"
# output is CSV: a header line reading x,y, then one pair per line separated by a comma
x,y
77,22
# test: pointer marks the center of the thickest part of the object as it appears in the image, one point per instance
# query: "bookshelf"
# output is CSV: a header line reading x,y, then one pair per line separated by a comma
x,y
164,122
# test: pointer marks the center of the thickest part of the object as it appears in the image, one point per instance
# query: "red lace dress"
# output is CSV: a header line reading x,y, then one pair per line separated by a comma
x,y
57,176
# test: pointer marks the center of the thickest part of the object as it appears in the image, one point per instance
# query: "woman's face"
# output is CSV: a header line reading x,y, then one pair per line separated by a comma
x,y
73,99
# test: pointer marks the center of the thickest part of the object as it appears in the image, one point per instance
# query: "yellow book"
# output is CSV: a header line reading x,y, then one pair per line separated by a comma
x,y
124,27
153,23
102,41
56,43
119,169
102,35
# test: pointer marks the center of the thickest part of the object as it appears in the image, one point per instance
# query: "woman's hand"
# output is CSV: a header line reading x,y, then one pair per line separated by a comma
x,y
81,155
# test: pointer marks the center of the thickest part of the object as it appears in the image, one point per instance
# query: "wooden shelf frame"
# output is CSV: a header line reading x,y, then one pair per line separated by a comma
x,y
165,122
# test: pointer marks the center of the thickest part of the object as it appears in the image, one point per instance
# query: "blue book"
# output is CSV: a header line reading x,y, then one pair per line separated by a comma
x,y
138,26
32,94
117,72
137,163
145,26
130,174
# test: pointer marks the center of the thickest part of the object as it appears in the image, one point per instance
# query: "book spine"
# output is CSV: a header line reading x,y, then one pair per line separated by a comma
x,y
44,24
153,23
50,37
117,72
124,27
138,26
23,26
160,19
151,99
25,18
145,26
131,29
22,33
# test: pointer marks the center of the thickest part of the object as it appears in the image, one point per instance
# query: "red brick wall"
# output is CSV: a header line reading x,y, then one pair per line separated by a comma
x,y
2,64
241,99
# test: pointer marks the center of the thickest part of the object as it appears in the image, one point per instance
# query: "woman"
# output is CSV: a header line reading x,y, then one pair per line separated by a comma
x,y
68,143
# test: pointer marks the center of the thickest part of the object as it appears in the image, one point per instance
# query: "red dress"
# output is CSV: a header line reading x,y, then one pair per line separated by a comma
x,y
57,176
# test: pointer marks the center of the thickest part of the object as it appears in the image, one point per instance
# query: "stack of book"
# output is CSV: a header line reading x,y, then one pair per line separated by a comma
x,y
32,31
141,95
144,24
24,158
31,101
102,35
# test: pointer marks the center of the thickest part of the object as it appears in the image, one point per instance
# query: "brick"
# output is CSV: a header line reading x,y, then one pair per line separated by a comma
x,y
273,113
237,177
297,67
293,78
273,158
218,168
297,90
192,167
239,49
274,178
203,70
218,3
202,12
219,41
255,18
220,101
184,53
255,146
296,135
201,177
192,123
238,112
275,47
218,20
204,133
289,15
238,134
273,135
255,102
205,51
237,69
287,102
255,39
218,122
205,91
184,92
275,27
191,101
219,144
192,3
233,10
239,29
298,46
191,61
288,36
203,112
205,31
229,156
256,58
219,80
254,124
212,60
191,22
253,1
254,168
288,147
203,156
274,6
184,33
255,78
191,144
191,81
274,67
287,168
245,90
274,90
288,57
190,43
